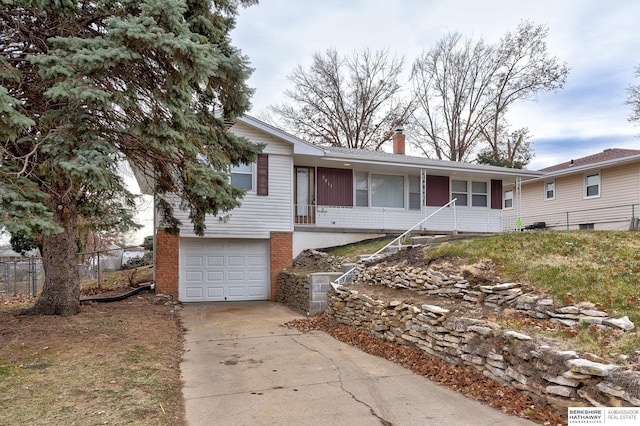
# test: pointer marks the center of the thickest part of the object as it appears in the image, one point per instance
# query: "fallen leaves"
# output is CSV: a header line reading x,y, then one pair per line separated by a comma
x,y
462,379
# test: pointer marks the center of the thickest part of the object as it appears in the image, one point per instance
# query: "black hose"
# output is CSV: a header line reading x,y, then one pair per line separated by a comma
x,y
119,297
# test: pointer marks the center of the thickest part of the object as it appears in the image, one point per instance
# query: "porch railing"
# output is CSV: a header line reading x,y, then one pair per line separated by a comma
x,y
305,214
398,240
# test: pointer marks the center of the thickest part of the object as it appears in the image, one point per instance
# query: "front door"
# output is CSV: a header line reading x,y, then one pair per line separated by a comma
x,y
305,195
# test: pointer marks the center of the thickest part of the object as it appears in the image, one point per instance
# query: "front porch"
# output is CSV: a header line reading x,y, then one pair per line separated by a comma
x,y
389,220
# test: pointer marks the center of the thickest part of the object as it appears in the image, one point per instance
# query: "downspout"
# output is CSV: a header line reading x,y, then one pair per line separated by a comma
x,y
148,286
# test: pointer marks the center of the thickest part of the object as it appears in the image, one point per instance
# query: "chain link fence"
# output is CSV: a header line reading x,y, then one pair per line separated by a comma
x,y
612,218
26,275
21,276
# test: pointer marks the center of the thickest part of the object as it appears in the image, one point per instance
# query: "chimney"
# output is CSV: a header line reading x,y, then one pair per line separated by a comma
x,y
398,141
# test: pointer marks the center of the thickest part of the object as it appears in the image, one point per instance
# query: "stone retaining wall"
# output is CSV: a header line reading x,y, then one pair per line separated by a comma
x,y
305,293
551,376
428,281
293,291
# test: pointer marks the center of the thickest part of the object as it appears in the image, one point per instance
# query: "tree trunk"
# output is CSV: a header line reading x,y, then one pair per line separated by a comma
x,y
61,291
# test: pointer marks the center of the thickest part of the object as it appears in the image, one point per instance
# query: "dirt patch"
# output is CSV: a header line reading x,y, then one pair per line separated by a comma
x,y
481,273
114,363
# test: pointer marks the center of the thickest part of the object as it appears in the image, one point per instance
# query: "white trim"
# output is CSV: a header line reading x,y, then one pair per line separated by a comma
x,y
545,191
504,199
584,184
244,173
299,146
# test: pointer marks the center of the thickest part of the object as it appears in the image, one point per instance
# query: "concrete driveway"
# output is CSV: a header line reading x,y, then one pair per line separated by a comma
x,y
241,367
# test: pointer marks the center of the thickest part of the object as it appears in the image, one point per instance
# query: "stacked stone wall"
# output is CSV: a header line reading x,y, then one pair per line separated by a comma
x,y
293,291
468,288
561,378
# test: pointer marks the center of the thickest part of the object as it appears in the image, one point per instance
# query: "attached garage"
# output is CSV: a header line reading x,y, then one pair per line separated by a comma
x,y
217,270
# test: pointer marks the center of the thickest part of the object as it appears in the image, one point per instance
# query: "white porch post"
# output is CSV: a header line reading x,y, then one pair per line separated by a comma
x,y
518,202
423,196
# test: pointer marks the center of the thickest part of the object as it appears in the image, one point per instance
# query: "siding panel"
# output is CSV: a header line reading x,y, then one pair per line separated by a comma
x,y
619,189
258,215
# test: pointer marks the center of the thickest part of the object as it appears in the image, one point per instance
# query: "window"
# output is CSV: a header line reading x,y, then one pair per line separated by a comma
x,y
242,176
387,191
414,192
586,226
362,189
550,190
479,194
459,191
592,185
508,199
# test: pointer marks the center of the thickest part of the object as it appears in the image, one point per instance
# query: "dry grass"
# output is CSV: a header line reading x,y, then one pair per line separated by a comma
x,y
114,363
602,268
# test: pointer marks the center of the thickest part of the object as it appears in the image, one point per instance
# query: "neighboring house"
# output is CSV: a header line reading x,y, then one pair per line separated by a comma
x,y
601,191
304,196
132,253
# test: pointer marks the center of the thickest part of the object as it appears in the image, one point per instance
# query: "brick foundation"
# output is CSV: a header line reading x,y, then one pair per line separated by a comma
x,y
281,257
167,252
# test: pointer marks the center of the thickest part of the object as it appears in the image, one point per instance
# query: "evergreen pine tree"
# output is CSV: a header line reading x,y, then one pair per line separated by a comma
x,y
85,85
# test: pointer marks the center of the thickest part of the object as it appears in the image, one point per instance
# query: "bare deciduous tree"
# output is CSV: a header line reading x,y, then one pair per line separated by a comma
x,y
525,70
634,100
351,101
451,83
512,150
464,90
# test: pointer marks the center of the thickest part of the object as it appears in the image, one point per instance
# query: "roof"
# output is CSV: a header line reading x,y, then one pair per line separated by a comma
x,y
608,156
299,146
368,156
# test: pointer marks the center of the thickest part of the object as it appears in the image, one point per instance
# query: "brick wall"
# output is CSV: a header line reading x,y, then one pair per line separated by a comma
x,y
167,263
281,257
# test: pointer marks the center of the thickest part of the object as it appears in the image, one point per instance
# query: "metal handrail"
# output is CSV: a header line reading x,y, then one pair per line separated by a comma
x,y
399,239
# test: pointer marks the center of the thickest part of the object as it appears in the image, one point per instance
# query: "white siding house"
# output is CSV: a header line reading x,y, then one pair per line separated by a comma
x,y
303,196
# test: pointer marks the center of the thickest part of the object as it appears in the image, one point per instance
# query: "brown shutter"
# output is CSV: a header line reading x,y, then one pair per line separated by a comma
x,y
496,194
335,187
262,174
437,190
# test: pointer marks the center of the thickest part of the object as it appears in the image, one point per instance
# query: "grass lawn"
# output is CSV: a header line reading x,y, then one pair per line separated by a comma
x,y
114,363
572,266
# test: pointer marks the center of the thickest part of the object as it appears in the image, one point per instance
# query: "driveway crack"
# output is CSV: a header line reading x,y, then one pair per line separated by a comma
x,y
383,421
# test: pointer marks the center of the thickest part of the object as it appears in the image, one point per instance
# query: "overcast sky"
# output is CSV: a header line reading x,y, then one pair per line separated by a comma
x,y
598,40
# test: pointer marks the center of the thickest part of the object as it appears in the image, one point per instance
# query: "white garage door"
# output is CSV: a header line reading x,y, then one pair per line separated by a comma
x,y
223,270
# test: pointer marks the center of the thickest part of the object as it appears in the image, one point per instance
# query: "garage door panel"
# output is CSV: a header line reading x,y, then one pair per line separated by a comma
x,y
194,261
236,261
257,292
219,270
195,292
215,293
255,275
255,261
213,261
196,277
215,276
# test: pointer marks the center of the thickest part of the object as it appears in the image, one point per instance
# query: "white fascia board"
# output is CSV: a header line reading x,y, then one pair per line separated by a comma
x,y
581,169
299,146
443,166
